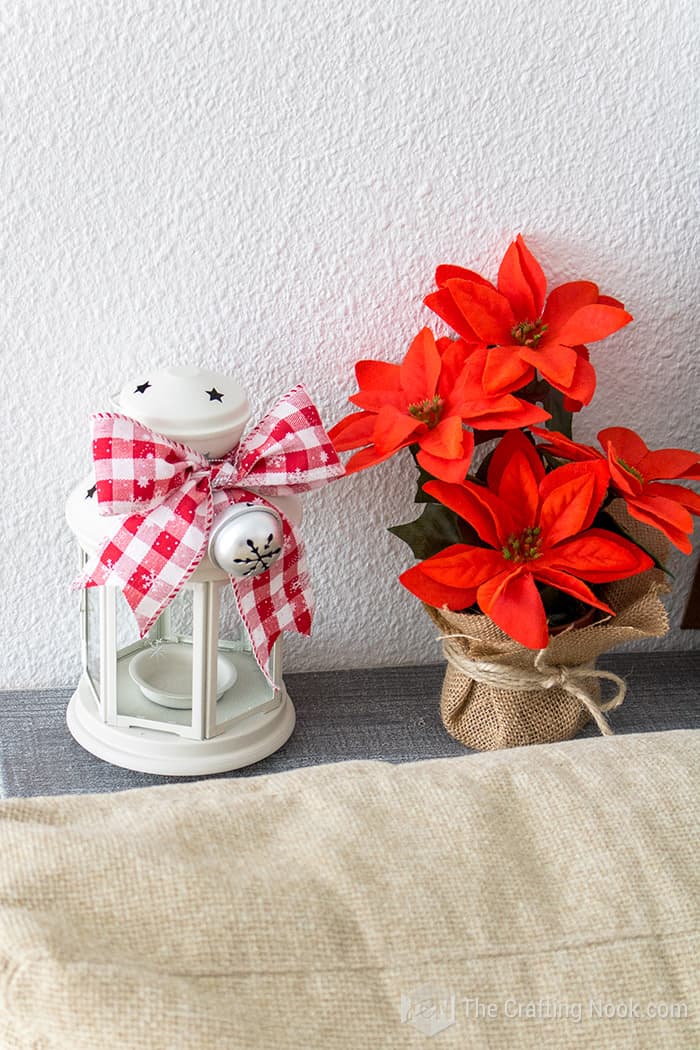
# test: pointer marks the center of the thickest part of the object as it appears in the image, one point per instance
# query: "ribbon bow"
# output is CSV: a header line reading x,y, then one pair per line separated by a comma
x,y
162,497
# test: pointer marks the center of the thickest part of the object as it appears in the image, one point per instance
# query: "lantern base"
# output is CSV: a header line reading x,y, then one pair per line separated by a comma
x,y
167,754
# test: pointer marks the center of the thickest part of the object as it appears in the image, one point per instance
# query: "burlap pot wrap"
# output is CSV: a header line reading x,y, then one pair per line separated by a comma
x,y
496,693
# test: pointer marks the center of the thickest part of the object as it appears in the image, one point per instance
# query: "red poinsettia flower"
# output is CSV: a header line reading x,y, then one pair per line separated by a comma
x,y
425,401
524,333
537,528
636,475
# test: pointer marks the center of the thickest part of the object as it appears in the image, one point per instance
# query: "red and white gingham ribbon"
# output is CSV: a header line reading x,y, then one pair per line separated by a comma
x,y
162,497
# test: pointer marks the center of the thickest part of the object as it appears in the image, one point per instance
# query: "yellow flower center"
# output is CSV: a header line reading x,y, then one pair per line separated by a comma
x,y
631,470
528,333
427,411
524,547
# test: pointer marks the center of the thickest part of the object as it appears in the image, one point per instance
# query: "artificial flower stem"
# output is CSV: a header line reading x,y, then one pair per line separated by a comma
x,y
561,419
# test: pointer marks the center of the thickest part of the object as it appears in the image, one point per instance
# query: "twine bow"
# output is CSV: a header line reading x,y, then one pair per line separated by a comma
x,y
160,498
540,676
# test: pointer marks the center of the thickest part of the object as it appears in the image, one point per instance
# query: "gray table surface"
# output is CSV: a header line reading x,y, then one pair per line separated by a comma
x,y
390,714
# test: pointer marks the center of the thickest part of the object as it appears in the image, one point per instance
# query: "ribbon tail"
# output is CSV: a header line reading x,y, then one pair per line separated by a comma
x,y
149,557
276,601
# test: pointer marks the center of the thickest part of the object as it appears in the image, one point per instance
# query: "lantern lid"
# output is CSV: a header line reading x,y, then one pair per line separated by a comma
x,y
206,410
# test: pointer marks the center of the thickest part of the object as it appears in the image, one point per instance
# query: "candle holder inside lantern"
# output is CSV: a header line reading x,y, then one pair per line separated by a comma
x,y
190,694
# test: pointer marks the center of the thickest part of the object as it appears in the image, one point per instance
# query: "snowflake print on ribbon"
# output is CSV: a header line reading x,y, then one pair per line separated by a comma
x,y
149,578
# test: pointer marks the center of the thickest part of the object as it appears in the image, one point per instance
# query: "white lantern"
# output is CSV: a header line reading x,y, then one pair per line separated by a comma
x,y
188,698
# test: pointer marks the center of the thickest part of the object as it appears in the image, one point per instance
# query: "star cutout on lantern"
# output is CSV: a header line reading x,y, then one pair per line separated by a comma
x,y
214,394
142,388
91,492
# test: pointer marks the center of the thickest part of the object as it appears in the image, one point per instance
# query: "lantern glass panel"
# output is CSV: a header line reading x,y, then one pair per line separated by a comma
x,y
232,634
127,633
154,674
175,622
91,627
251,691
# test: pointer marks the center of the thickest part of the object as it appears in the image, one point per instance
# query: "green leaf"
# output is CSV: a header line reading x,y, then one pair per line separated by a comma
x,y
423,478
435,529
553,402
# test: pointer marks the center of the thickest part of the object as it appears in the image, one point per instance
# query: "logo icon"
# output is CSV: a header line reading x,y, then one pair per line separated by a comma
x,y
429,1009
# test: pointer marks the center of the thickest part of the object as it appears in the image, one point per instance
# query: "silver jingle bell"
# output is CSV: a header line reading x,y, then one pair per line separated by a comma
x,y
246,539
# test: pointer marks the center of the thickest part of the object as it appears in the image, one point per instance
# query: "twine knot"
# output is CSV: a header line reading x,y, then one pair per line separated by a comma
x,y
540,676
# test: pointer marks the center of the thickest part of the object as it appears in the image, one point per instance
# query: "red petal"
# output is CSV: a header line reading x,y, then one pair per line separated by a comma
x,y
452,470
378,375
514,604
464,565
506,370
474,365
436,594
570,585
557,363
515,473
504,413
394,429
625,442
667,463
570,404
380,384
598,556
367,457
667,510
353,431
444,343
475,504
460,377
565,300
582,386
521,280
486,310
454,354
446,273
571,496
420,368
592,323
686,497
445,440
625,482
374,400
607,300
442,304
678,537
564,447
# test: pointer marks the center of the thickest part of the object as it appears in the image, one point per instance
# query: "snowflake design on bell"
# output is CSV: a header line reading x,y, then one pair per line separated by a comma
x,y
260,558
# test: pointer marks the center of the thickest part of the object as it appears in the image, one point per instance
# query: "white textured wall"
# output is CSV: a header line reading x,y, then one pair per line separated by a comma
x,y
266,188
